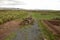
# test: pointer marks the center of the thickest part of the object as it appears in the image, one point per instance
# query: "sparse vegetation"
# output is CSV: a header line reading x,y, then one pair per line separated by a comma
x,y
8,15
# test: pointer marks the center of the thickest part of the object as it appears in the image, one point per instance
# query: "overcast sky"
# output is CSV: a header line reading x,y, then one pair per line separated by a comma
x,y
31,4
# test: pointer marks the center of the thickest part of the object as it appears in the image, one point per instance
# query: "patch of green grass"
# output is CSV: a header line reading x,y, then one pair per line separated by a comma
x,y
11,36
1,21
39,16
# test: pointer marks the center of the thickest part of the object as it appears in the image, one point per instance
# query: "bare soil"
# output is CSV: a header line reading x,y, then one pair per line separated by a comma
x,y
55,22
53,26
7,28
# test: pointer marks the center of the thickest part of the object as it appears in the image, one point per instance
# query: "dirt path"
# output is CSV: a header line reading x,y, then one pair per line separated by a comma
x,y
7,28
29,33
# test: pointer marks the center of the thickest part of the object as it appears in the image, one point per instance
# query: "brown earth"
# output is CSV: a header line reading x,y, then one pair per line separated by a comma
x,y
11,26
55,22
7,28
55,29
53,26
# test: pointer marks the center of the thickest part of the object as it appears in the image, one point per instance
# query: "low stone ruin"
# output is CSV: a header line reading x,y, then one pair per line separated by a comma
x,y
26,21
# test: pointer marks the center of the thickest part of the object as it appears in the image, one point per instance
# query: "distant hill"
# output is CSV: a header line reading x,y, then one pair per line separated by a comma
x,y
36,10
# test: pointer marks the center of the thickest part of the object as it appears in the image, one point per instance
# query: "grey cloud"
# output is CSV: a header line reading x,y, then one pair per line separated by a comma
x,y
11,2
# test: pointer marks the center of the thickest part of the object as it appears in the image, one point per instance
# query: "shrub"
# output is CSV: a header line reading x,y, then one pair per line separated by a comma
x,y
1,21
